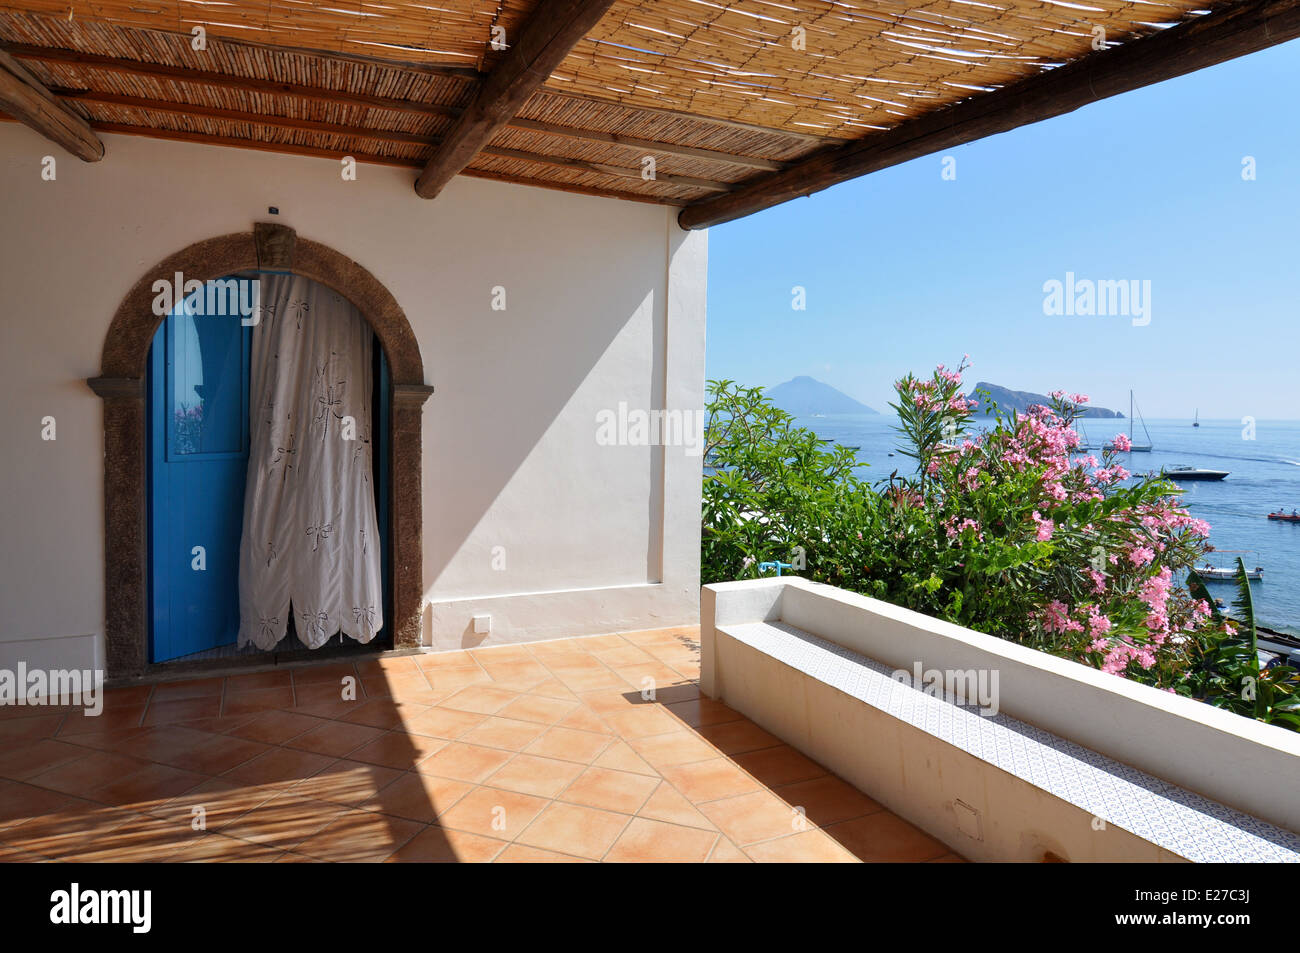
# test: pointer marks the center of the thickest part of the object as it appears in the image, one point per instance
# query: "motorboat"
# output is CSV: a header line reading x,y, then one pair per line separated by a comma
x,y
1226,571
1221,574
1181,473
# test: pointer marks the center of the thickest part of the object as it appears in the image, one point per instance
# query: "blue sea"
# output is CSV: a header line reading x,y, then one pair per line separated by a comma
x,y
1264,474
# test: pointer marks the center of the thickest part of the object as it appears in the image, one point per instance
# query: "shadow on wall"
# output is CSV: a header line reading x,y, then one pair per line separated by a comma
x,y
595,348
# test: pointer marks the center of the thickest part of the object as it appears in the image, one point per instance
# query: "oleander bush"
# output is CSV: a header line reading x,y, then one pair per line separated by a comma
x,y
1003,526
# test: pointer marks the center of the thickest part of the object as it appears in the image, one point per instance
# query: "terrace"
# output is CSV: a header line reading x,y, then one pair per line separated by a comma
x,y
571,153
636,747
545,752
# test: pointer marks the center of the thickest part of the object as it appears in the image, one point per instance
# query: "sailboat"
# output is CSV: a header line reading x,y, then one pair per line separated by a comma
x,y
1196,421
1136,447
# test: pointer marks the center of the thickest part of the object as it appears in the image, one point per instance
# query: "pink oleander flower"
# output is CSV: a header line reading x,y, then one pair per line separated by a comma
x,y
1155,591
1115,665
1055,617
1122,613
956,529
1141,555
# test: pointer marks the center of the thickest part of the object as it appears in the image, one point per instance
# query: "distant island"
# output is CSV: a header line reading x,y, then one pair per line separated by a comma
x,y
804,397
1021,400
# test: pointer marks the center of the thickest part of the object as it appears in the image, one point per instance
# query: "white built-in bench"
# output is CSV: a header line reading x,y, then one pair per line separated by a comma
x,y
993,787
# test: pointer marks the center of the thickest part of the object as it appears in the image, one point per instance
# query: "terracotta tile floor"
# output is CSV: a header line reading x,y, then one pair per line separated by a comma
x,y
543,752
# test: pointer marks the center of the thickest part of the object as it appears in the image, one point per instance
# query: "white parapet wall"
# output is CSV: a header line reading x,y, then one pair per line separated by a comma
x,y
1067,763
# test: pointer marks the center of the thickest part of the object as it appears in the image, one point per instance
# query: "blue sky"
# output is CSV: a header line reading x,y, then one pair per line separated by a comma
x,y
904,270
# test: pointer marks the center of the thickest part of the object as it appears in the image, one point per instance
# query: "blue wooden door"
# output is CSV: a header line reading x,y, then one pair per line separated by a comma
x,y
198,461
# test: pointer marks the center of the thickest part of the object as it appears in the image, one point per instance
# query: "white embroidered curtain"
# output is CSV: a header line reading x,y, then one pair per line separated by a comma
x,y
311,540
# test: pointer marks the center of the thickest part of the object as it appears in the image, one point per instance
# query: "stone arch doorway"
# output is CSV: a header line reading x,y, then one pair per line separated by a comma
x,y
122,385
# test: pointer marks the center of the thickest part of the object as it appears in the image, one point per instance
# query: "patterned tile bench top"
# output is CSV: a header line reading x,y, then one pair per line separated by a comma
x,y
1187,824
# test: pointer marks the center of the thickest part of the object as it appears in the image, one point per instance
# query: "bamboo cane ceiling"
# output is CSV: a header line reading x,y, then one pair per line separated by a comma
x,y
719,93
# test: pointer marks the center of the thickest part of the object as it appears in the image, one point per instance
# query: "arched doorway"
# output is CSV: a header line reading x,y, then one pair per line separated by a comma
x,y
122,385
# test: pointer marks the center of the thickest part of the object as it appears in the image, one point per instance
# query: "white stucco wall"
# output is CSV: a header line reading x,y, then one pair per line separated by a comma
x,y
605,303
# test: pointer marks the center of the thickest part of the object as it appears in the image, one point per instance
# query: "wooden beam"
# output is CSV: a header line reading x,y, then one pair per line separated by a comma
x,y
215,112
179,135
645,145
361,132
249,84
27,100
811,138
604,168
570,187
183,135
183,74
472,73
545,39
237,115
320,153
1195,44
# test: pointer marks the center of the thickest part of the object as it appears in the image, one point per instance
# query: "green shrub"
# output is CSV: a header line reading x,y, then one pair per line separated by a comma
x,y
1007,529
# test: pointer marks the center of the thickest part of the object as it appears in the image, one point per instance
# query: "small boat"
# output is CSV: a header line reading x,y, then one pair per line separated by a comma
x,y
1226,571
1196,420
1219,574
1292,517
1181,473
1134,446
